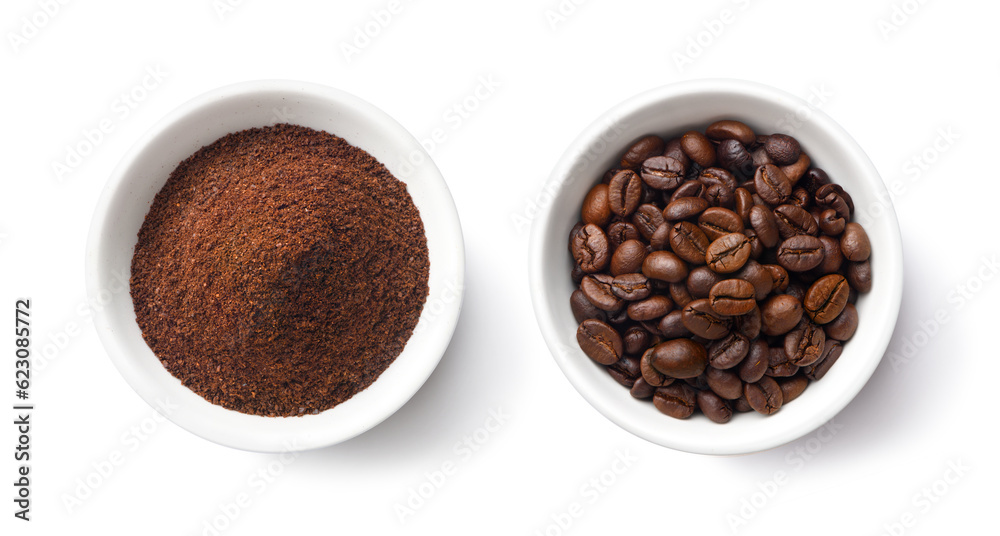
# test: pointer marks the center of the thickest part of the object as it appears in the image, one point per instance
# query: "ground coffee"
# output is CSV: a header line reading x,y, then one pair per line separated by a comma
x,y
279,271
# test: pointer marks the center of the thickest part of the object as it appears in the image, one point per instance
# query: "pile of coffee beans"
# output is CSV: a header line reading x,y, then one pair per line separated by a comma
x,y
717,271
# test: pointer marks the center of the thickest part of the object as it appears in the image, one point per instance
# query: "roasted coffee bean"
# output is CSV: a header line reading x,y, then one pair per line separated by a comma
x,y
628,258
727,352
572,234
782,149
763,223
647,218
590,249
583,309
732,297
793,220
801,198
620,232
796,170
854,243
673,150
576,274
859,275
843,327
679,358
743,203
779,314
652,308
772,185
755,364
679,293
757,249
631,287
760,157
596,209
684,208
779,364
831,353
800,253
814,179
826,298
714,407
600,341
661,238
749,324
663,172
712,176
832,257
796,290
641,389
831,223
720,196
804,344
664,266
728,253
757,275
672,326
677,400
733,156
717,221
728,129
764,396
699,318
701,280
651,375
833,196
740,405
724,383
697,147
688,242
642,149
618,317
779,276
691,188
792,387
597,289
625,371
635,340
624,193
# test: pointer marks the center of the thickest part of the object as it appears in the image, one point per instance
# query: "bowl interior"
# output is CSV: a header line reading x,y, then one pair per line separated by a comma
x,y
129,194
670,111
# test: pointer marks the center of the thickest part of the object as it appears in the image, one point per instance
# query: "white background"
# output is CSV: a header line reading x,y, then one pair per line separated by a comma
x,y
930,406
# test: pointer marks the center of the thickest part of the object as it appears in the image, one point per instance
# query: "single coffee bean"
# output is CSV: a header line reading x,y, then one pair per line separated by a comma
x,y
859,275
743,203
717,221
796,170
590,249
642,149
677,400
673,150
793,220
831,353
679,293
691,188
572,234
699,318
826,298
688,242
728,129
727,352
758,276
661,238
697,147
724,383
792,387
843,327
672,326
732,297
733,156
832,257
684,208
763,223
647,218
854,243
757,249
831,223
596,209
714,175
782,149
800,198
714,407
740,405
833,196
779,314
804,344
779,364
597,289
651,375
800,253
772,184
625,371
664,266
760,157
652,308
663,172
620,232
728,253
624,193
641,389
600,341
755,364
720,196
631,287
814,179
764,396
679,358
583,309
628,258
779,275
577,273
701,280
635,340
749,324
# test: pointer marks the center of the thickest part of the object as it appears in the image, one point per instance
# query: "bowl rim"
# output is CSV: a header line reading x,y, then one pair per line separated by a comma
x,y
309,432
560,176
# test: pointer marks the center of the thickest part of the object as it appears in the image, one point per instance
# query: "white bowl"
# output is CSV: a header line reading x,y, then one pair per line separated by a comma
x,y
670,111
143,171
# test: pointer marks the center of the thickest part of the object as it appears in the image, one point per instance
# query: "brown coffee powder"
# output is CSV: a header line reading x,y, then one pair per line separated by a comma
x,y
279,271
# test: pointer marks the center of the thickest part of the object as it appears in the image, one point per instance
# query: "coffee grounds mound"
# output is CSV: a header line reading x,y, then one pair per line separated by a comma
x,y
279,271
